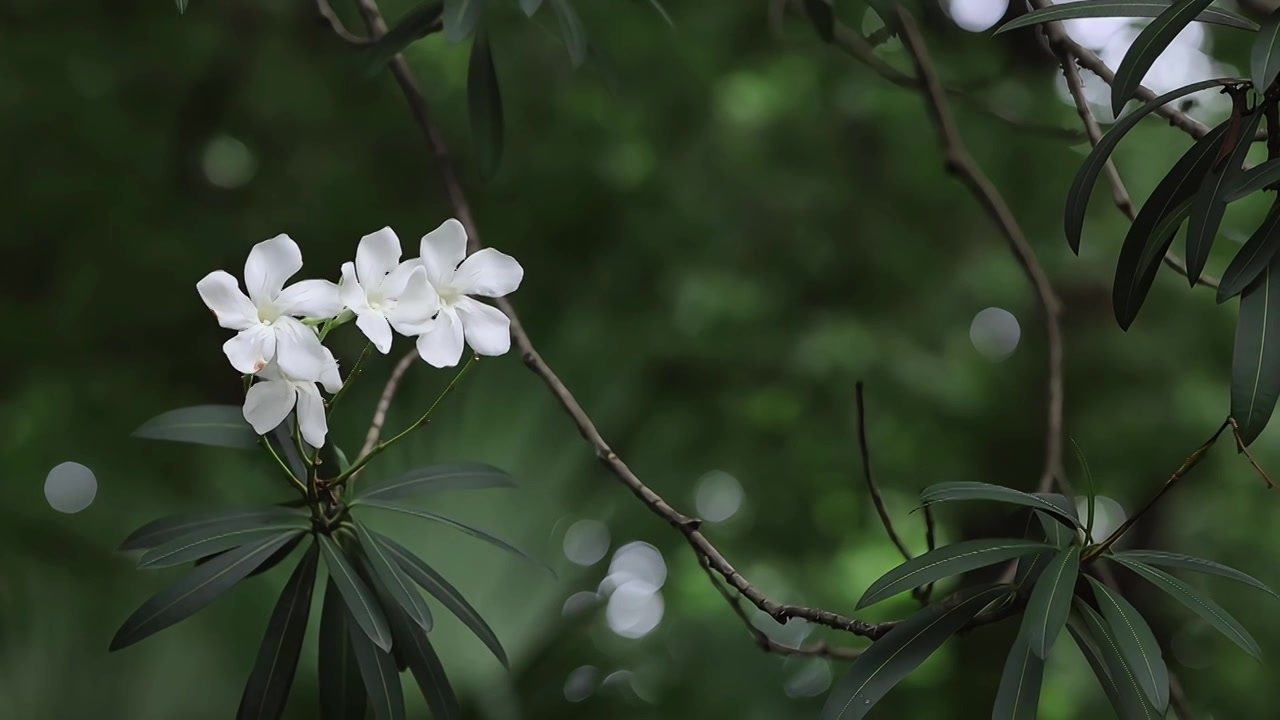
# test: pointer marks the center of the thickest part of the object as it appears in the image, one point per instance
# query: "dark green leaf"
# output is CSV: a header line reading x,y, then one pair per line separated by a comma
x,y
1210,202
1194,564
1152,231
572,30
378,670
530,6
195,591
268,686
1103,653
1255,362
416,24
1150,43
1050,601
666,17
1254,179
343,462
823,18
360,601
459,476
342,694
944,562
1019,695
891,658
474,532
946,492
267,565
212,539
1207,609
1087,175
164,530
447,594
461,18
887,11
1055,532
285,445
399,587
182,6
218,425
1030,568
1264,58
1252,259
1121,8
484,103
1062,502
1137,644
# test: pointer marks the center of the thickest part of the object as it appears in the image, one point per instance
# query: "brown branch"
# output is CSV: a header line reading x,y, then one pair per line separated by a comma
x,y
877,499
1235,430
335,23
384,402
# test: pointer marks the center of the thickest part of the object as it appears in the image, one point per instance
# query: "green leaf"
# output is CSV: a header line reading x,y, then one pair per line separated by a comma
x,y
217,425
195,591
944,562
1150,43
413,26
447,594
1207,609
461,18
459,476
891,658
1121,8
342,694
1264,58
473,532
823,18
1153,229
212,539
343,462
887,11
1137,644
484,103
1103,653
571,28
378,670
666,17
1252,259
1210,202
1160,558
1019,695
1050,601
1254,179
182,6
946,492
285,445
1255,362
1087,175
360,600
159,532
530,6
267,690
399,587
1030,568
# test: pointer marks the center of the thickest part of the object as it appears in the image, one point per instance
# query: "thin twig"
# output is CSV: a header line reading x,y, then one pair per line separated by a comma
x,y
1235,430
384,402
877,498
335,23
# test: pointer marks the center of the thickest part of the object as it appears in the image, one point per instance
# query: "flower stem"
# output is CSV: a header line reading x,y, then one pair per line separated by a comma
x,y
293,480
351,376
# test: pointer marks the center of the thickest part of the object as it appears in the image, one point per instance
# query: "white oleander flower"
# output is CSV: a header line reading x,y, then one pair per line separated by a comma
x,y
275,394
385,293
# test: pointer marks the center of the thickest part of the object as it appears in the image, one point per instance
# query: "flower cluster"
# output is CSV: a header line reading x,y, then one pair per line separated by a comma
x,y
279,329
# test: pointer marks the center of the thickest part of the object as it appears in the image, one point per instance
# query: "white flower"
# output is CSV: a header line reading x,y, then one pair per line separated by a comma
x,y
270,399
266,318
385,294
455,276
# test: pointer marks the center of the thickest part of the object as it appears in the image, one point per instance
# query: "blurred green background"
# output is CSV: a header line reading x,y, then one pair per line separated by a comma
x,y
723,227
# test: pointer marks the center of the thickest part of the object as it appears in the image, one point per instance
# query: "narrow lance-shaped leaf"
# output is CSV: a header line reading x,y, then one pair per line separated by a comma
x,y
217,425
1100,646
572,30
1089,648
1087,175
195,591
950,491
378,670
1050,601
1149,44
1137,644
342,694
1153,229
1207,609
461,17
397,584
1255,362
1252,259
1121,8
891,658
946,561
530,6
484,103
1254,179
182,6
1210,202
1019,695
666,16
414,25
360,600
474,532
1160,558
460,476
823,18
210,540
1264,58
159,532
268,687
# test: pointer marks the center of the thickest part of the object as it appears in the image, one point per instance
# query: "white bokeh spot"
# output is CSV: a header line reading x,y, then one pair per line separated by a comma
x,y
976,15
994,333
718,496
70,487
586,542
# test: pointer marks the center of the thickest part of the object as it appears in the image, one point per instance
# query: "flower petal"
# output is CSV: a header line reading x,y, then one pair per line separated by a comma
x,y
487,329
330,378
311,420
267,404
489,273
251,349
221,293
377,254
374,326
443,249
394,283
298,350
270,264
350,292
310,298
416,306
441,344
